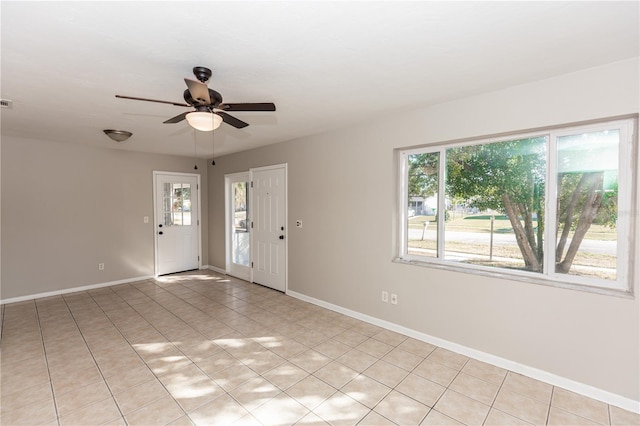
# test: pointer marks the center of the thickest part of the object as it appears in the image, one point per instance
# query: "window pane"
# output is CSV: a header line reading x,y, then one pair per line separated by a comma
x,y
176,205
422,228
186,204
495,204
586,238
166,205
241,225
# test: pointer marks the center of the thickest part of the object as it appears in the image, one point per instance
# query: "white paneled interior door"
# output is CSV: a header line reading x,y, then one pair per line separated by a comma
x,y
177,222
268,217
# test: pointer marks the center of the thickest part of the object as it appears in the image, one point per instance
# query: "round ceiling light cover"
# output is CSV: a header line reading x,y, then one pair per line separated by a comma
x,y
118,135
204,121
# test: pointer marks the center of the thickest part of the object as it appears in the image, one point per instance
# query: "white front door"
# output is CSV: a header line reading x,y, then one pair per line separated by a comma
x,y
176,222
268,217
237,225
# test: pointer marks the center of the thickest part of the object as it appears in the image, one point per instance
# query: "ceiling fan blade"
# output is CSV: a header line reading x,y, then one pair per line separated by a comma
x,y
260,106
231,120
152,100
199,91
178,118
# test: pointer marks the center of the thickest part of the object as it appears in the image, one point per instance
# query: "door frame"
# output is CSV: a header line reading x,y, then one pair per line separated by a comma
x,y
229,221
157,173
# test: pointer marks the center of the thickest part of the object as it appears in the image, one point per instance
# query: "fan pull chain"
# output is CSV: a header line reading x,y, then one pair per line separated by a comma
x,y
195,151
213,143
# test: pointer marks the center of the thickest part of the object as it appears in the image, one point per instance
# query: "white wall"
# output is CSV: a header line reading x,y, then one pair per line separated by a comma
x,y
343,186
67,207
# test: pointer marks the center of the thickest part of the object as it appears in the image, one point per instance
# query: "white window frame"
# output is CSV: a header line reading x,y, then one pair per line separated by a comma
x,y
627,206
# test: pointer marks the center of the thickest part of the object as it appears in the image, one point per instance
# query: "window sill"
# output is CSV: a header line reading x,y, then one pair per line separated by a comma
x,y
523,277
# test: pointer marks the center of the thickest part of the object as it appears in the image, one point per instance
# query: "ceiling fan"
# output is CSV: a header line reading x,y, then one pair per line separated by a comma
x,y
210,111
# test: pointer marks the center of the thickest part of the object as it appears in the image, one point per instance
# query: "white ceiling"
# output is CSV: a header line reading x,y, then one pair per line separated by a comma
x,y
325,65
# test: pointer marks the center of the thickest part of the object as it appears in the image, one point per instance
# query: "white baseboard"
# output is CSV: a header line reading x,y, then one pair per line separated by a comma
x,y
544,376
215,269
73,290
91,287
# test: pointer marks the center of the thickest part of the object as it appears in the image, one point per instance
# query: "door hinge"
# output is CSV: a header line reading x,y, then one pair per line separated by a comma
x,y
252,225
252,184
198,222
252,264
198,258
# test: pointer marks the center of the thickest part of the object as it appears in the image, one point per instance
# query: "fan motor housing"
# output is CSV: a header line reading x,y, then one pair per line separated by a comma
x,y
216,98
202,73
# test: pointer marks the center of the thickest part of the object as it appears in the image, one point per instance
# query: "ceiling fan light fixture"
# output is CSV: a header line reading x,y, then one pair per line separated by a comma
x,y
118,135
204,121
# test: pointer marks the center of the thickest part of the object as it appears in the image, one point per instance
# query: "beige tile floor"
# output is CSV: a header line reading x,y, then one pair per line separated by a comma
x,y
200,348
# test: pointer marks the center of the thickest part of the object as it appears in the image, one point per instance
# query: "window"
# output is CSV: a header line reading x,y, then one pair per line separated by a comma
x,y
177,204
553,207
240,236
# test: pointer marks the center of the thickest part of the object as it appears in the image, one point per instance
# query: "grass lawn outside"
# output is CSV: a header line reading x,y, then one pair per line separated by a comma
x,y
509,255
482,223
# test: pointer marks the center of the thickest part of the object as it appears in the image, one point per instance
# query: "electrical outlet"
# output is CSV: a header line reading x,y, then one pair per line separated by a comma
x,y
385,296
298,223
394,299
145,219
100,266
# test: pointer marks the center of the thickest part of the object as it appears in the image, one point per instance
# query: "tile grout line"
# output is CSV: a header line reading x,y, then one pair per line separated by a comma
x,y
46,360
92,355
163,335
448,386
137,354
236,307
204,337
223,350
261,375
391,389
553,389
2,323
491,407
113,293
432,408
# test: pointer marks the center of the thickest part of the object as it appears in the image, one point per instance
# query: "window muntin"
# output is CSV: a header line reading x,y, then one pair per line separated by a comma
x,y
513,205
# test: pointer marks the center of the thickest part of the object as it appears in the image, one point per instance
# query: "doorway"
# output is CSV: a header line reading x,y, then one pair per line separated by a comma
x,y
256,220
176,222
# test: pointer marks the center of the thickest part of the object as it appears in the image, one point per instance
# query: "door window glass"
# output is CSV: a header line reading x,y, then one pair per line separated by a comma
x,y
240,224
176,204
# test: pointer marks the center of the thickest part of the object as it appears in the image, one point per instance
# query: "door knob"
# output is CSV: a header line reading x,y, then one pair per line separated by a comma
x,y
160,232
